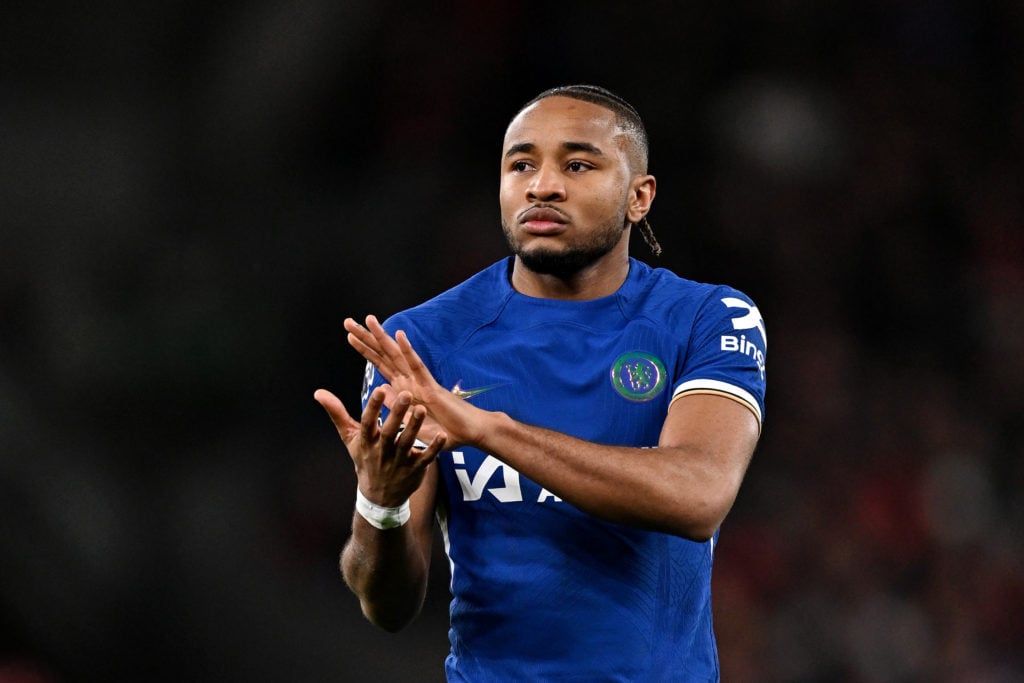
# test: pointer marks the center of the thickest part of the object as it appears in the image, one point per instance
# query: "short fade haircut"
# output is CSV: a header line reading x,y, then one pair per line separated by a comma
x,y
626,116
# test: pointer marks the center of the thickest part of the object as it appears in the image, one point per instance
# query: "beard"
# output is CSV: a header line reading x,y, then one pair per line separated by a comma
x,y
577,255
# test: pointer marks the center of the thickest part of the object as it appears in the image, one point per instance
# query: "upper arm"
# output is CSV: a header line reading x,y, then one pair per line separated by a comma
x,y
718,399
711,421
715,438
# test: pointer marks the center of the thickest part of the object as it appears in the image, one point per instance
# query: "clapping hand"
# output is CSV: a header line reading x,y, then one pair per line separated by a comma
x,y
389,467
397,360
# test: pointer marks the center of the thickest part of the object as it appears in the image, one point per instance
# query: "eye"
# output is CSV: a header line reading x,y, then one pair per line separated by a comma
x,y
520,166
578,166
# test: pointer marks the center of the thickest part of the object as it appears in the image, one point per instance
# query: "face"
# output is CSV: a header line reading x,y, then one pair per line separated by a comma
x,y
567,186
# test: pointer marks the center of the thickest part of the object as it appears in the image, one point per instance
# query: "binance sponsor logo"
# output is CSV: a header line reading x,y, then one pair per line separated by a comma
x,y
750,319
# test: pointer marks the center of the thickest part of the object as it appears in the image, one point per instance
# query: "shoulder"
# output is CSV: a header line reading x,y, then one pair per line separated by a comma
x,y
665,297
452,316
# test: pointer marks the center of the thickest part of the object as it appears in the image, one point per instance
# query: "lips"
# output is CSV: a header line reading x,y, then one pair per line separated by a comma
x,y
543,220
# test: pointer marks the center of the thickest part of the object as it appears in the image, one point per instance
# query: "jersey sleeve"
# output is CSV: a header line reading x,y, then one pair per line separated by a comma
x,y
727,351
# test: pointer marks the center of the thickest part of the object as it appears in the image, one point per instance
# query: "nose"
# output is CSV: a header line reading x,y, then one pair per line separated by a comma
x,y
546,185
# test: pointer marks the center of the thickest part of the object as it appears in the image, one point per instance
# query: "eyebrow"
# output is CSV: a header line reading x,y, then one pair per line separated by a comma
x,y
569,146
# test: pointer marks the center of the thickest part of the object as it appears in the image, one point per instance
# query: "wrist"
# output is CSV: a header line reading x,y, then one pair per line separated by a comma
x,y
493,426
380,516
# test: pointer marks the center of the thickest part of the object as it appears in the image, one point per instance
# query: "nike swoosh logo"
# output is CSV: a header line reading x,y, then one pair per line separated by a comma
x,y
470,393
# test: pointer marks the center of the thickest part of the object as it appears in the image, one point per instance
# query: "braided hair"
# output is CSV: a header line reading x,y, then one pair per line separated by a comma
x,y
626,117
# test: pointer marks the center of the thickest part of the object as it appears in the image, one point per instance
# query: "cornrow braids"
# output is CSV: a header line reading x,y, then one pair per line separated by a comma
x,y
648,235
625,114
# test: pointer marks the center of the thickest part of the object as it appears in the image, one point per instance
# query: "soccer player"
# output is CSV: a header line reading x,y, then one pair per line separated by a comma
x,y
577,422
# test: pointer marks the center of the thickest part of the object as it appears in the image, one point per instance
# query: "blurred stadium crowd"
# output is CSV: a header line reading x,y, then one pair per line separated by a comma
x,y
192,198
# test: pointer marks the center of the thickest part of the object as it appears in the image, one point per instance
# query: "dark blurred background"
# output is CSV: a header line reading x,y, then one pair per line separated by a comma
x,y
194,195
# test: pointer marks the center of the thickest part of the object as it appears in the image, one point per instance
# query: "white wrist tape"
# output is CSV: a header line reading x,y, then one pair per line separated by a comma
x,y
380,516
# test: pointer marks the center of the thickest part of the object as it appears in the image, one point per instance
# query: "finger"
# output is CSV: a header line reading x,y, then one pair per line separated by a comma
x,y
410,435
393,424
383,343
371,415
412,359
357,330
430,453
373,343
360,338
367,352
390,396
343,422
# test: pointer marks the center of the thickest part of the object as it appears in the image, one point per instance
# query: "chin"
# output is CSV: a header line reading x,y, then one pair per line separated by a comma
x,y
561,264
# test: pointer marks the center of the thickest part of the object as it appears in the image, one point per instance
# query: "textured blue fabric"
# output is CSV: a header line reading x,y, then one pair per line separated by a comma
x,y
542,591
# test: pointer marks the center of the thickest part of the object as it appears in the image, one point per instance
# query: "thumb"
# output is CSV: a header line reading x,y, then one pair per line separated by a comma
x,y
343,422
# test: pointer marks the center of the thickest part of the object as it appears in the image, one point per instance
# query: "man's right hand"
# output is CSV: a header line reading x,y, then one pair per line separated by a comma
x,y
389,467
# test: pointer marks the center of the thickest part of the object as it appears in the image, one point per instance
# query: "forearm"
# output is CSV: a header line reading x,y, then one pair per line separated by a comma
x,y
387,570
674,489
685,486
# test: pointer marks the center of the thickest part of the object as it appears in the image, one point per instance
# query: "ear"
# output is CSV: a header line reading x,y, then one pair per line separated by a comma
x,y
641,196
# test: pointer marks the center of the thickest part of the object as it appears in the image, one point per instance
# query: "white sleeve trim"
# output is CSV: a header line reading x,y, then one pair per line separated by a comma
x,y
719,387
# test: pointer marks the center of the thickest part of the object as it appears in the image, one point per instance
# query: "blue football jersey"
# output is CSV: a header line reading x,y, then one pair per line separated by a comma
x,y
540,590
